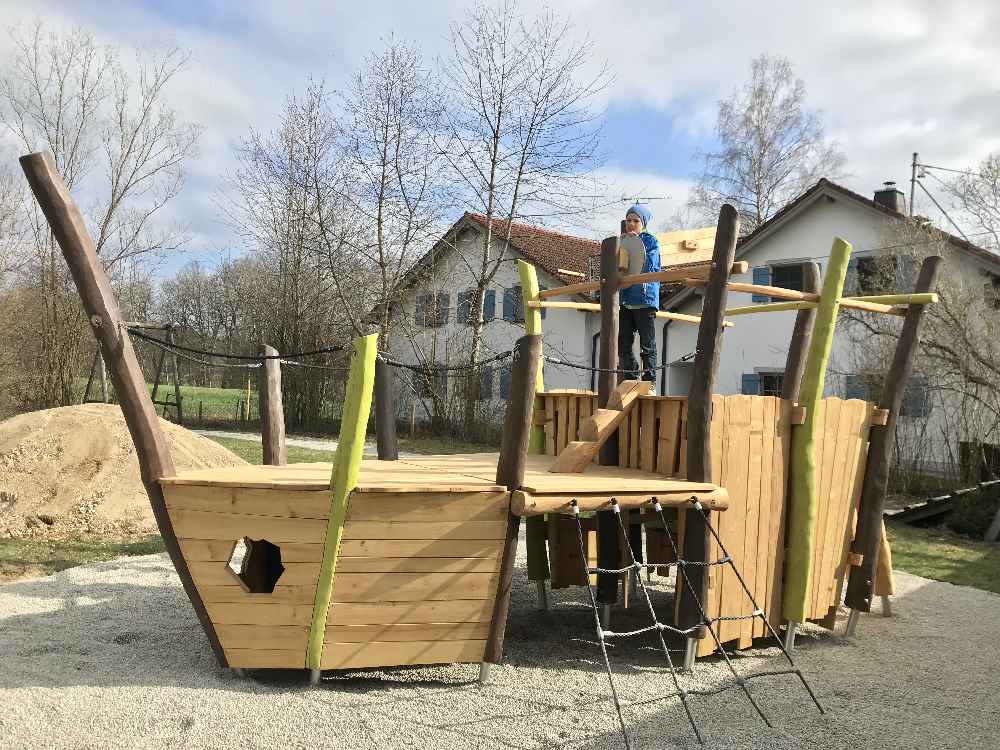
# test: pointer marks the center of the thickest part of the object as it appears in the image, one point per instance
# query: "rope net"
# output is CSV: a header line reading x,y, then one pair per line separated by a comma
x,y
710,624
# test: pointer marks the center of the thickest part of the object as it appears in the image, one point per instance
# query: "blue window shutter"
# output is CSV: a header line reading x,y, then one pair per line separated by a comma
x,y
854,387
542,311
750,385
505,383
851,279
490,305
464,312
761,275
508,305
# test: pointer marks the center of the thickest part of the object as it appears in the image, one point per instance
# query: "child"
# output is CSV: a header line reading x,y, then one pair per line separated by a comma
x,y
639,302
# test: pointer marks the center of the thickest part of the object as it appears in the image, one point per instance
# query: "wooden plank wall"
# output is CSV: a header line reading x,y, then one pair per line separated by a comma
x,y
255,630
840,456
415,579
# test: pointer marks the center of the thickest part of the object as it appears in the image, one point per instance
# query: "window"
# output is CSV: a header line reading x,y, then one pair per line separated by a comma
x,y
485,392
789,277
762,383
513,309
879,274
431,383
431,310
991,291
463,313
868,387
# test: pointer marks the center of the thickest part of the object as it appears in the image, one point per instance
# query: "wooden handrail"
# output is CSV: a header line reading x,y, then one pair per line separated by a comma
x,y
595,308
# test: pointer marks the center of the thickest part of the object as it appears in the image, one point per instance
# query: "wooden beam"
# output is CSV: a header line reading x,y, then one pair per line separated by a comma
x,y
344,478
803,496
857,304
595,308
928,298
761,289
105,320
385,413
678,273
607,522
880,446
272,415
510,473
699,417
798,347
527,504
771,307
536,530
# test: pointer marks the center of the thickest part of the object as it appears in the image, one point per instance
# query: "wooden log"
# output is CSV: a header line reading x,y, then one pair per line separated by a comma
x,y
866,536
105,319
669,274
526,504
343,480
510,472
777,292
385,413
607,524
801,335
595,308
699,417
858,304
803,497
272,415
536,530
884,583
771,307
928,298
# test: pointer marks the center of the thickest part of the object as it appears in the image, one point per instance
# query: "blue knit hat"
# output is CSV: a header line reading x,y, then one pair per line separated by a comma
x,y
642,212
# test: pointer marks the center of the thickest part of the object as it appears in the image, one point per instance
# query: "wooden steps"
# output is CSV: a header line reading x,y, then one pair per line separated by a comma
x,y
600,426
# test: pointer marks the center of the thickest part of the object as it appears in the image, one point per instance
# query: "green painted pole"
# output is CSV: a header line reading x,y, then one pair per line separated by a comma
x,y
535,526
803,501
346,465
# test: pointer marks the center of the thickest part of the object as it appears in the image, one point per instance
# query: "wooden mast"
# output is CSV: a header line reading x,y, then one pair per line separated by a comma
x,y
99,302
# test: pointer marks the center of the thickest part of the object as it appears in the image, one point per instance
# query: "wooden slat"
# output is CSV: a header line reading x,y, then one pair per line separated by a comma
x,y
550,425
264,637
408,587
768,507
204,550
751,524
248,501
281,594
561,419
384,613
419,564
244,658
357,530
840,495
417,548
260,612
682,460
719,448
193,524
473,506
218,573
381,654
572,424
670,430
733,521
826,451
776,529
624,433
633,436
647,448
403,633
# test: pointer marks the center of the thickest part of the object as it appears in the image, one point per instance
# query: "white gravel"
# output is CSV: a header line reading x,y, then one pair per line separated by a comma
x,y
111,655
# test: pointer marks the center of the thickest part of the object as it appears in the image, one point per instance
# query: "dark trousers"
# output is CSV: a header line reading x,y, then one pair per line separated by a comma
x,y
630,321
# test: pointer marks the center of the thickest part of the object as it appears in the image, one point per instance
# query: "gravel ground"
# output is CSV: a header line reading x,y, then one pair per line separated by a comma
x,y
111,655
371,449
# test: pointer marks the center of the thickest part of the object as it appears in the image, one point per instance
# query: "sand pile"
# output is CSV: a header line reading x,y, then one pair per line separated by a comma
x,y
74,470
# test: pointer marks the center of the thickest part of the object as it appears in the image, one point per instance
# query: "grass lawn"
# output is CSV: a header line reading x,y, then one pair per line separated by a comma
x,y
26,558
945,556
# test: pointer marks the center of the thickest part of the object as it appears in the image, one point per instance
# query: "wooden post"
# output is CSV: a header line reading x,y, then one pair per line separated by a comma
x,y
699,417
868,533
535,527
385,413
801,335
272,414
607,524
177,379
803,497
343,480
510,473
99,302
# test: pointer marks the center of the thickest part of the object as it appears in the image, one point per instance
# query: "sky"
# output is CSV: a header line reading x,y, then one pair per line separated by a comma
x,y
891,78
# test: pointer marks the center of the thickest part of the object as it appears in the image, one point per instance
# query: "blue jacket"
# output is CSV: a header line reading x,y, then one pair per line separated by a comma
x,y
645,294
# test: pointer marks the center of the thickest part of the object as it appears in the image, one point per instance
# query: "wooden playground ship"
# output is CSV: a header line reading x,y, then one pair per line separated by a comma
x,y
374,563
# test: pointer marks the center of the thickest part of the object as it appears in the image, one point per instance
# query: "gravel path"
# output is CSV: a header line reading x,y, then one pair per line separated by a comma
x,y
111,655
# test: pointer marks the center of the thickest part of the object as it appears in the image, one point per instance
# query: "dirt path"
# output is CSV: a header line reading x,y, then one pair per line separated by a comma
x,y
110,655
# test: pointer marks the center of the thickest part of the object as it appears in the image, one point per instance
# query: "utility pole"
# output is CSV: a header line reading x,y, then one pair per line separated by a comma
x,y
913,179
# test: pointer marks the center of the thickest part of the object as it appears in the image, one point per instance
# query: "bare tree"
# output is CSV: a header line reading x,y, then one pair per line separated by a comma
x,y
115,140
976,196
771,147
521,132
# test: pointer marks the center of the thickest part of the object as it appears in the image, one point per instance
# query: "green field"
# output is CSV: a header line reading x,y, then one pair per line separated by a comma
x,y
945,556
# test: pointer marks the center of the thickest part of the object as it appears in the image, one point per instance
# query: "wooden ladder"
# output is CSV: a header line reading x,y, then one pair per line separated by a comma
x,y
600,426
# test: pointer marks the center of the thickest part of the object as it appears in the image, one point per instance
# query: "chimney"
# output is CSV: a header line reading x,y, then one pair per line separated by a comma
x,y
891,198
